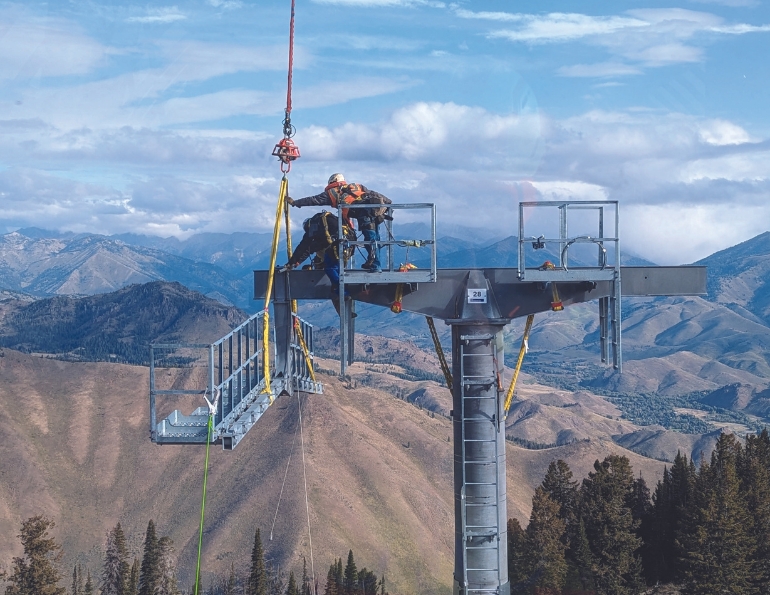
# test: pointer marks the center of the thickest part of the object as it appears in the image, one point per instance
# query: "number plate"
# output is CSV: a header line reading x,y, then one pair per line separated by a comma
x,y
477,296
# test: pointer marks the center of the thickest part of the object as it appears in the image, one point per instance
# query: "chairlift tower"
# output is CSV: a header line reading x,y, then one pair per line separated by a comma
x,y
478,304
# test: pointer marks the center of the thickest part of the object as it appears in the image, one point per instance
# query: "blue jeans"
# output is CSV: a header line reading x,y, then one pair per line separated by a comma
x,y
373,249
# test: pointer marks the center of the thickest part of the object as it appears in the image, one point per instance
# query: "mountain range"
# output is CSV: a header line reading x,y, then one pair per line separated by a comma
x,y
377,445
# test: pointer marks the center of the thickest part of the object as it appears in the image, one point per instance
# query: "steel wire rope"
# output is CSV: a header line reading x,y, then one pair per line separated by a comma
x,y
285,475
304,474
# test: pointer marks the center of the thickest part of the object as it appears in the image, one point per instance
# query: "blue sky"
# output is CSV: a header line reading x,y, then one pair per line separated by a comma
x,y
159,118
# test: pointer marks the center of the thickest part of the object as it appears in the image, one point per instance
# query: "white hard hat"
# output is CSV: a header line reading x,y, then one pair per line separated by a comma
x,y
336,178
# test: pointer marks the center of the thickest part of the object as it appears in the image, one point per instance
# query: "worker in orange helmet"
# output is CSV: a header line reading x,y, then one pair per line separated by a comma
x,y
337,192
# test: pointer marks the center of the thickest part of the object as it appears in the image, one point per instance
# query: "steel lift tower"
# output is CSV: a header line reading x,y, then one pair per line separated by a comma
x,y
477,303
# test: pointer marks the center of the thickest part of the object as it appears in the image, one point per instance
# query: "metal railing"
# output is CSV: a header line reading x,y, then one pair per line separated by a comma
x,y
391,244
231,370
606,268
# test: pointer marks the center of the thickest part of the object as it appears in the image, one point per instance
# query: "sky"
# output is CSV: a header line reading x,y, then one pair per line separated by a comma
x,y
160,118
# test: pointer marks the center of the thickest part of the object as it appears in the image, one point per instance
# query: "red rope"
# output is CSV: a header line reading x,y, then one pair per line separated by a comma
x,y
286,150
291,59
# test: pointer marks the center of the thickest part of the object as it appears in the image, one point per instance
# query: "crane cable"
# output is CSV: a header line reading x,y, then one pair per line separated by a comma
x,y
287,152
522,350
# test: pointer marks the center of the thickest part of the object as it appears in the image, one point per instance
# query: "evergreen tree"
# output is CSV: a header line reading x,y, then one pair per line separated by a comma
x,y
306,588
89,588
292,589
116,569
381,586
518,568
754,470
37,572
340,574
149,573
640,504
132,587
350,580
718,545
166,568
331,581
610,527
77,580
367,582
258,579
545,538
560,487
583,558
275,582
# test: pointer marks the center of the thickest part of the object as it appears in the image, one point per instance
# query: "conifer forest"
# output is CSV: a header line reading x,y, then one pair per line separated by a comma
x,y
703,530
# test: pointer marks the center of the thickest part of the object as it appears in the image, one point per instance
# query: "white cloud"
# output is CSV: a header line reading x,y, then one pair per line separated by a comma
x,y
439,134
378,3
650,37
561,27
602,69
159,15
680,179
33,48
226,4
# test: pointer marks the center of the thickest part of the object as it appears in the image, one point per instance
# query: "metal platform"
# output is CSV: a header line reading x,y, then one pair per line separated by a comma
x,y
392,247
229,373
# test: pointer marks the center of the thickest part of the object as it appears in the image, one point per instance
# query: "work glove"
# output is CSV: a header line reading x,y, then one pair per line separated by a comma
x,y
290,200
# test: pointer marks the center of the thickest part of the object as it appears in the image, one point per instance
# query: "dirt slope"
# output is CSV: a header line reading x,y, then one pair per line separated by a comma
x,y
75,447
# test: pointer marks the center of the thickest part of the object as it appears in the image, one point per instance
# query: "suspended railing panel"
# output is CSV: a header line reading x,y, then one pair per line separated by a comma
x,y
229,374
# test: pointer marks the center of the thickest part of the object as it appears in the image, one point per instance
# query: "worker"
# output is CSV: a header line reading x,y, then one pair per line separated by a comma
x,y
338,191
321,232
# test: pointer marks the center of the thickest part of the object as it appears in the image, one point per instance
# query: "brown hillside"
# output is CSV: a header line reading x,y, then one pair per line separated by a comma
x,y
75,447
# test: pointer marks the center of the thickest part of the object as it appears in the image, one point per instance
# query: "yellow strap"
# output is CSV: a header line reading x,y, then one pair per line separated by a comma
x,y
522,351
305,352
269,291
289,252
440,352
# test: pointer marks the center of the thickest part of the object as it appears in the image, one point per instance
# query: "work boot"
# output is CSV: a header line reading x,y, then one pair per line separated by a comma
x,y
368,264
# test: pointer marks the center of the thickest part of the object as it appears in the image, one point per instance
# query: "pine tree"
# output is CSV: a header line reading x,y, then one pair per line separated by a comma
x,y
258,581
640,504
37,572
132,587
583,558
89,588
560,487
367,582
116,569
305,589
149,573
275,582
77,580
518,563
610,526
340,574
350,580
754,470
331,581
718,544
291,588
545,538
166,568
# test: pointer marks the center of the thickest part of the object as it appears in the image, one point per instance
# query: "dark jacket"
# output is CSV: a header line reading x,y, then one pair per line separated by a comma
x,y
322,232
